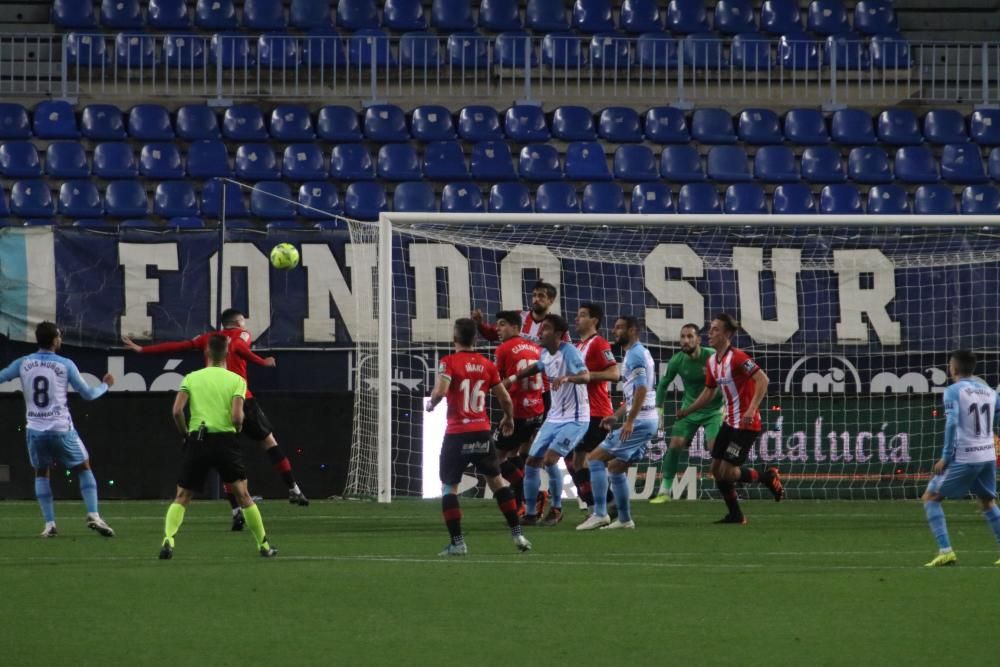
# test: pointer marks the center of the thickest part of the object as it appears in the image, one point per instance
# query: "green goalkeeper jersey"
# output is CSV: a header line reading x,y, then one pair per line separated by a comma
x,y
692,373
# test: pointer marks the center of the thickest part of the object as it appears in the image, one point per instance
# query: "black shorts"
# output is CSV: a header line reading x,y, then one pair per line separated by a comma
x,y
733,444
460,449
524,431
256,425
594,436
219,451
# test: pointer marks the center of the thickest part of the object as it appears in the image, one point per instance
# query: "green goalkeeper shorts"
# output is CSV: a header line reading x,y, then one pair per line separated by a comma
x,y
688,426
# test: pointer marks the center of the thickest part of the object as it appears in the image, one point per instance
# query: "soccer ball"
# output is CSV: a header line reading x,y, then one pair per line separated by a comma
x,y
284,257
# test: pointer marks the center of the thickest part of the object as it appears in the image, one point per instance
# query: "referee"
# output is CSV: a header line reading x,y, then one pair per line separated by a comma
x,y
215,397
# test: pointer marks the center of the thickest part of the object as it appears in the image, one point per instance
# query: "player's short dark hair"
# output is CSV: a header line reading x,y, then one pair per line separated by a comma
x,y
46,334
965,361
595,310
229,315
548,288
218,347
630,321
731,324
691,325
465,331
510,317
557,322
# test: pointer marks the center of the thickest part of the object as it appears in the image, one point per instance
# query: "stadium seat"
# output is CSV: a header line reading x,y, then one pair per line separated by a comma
x,y
639,16
712,126
14,123
445,161
962,164
150,122
303,162
609,52
759,127
652,198
509,49
889,52
492,161
278,51
161,160
619,125
934,200
573,123
291,122
404,15
899,127
4,208
468,50
667,125
186,222
945,126
197,122
526,123
31,199
751,52
775,164
681,164
184,52
370,47
792,199
806,127
980,200
271,199
479,123
121,14
729,164
780,17
98,225
510,198
500,15
318,198
398,162
984,127
212,204
432,123
114,159
686,16
257,162
215,15
357,15
208,158
656,51
585,161
126,199
698,198
704,50
827,17
244,122
888,200
98,122
603,198
635,163
338,124
556,198
310,15
993,166
175,199
364,201
546,16
462,198
733,17
869,164
592,16
141,224
323,48
744,198
19,159
852,127
540,162
135,52
915,164
80,199
415,197
235,52
851,51
385,123
798,52
351,162
822,164
840,198
263,15
419,50
875,17
71,14
88,50
66,159
55,119
451,15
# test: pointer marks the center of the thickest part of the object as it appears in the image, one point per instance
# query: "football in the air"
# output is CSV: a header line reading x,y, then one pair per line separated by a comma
x,y
284,256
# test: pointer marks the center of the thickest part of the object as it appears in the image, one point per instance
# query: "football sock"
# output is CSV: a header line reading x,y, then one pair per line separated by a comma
x,y
555,485
175,517
599,486
281,466
228,492
515,477
728,491
669,468
532,481
452,514
88,490
748,475
508,505
43,491
992,516
935,519
582,479
619,484
256,523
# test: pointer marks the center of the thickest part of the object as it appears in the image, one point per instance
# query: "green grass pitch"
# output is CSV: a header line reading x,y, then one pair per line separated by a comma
x,y
805,583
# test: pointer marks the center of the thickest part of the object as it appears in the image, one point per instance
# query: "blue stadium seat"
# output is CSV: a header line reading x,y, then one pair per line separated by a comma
x,y
758,127
500,15
852,127
235,50
686,16
562,50
934,200
827,17
212,204
385,123
573,123
126,199
546,16
303,162
70,14
609,51
55,119
357,14
175,199
780,17
324,48
244,122
66,159
4,209
31,199
278,51
980,200
656,51
704,50
468,50
525,123
652,198
639,16
869,164
161,160
792,199
121,14
186,222
208,158
462,198
398,162
635,163
888,200
257,162
369,47
196,122
445,161
19,159
994,164
184,52
712,126
419,50
404,15
556,198
822,164
798,52
150,122
141,224
415,197
899,127
681,164
619,125
698,198
945,126
492,161
100,225
86,49
509,49
751,52
962,164
840,198
890,52
310,15
135,52
271,199
510,198
431,123
215,15
14,123
291,122
775,164
667,125
875,17
916,164
592,16
585,161
806,127
744,198
99,122
851,50
338,124
540,162
351,162
984,127
733,17
729,164
115,159
450,15
319,195
603,198
479,123
80,199
364,201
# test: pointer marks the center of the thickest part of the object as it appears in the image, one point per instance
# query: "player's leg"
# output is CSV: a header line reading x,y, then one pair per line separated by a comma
x,y
533,470
488,467
74,456
722,470
173,520
569,436
597,461
40,460
228,460
258,428
622,452
507,452
234,507
451,463
985,489
668,469
954,482
254,520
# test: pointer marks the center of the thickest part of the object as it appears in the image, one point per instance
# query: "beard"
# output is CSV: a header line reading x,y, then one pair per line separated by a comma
x,y
687,349
623,341
538,309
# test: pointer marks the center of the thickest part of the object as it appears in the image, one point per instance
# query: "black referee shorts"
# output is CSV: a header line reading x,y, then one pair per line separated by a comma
x,y
256,425
218,451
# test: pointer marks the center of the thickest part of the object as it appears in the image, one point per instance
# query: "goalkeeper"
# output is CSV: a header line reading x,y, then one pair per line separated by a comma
x,y
689,364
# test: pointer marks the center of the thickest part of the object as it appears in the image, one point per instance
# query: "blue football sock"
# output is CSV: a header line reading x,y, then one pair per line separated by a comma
x,y
555,484
992,516
532,481
599,486
935,519
619,485
88,489
43,491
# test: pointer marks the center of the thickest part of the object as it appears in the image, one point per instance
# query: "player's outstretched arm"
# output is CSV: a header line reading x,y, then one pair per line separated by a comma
x,y
486,330
164,348
583,377
85,390
244,351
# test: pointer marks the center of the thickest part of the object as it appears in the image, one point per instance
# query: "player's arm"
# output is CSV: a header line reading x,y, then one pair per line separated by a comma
x,y
12,371
486,330
180,402
244,352
609,372
439,392
507,405
664,383
704,398
761,381
165,348
85,390
950,431
578,373
237,413
533,368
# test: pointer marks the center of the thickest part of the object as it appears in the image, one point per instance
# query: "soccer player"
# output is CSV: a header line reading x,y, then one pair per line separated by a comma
x,y
215,397
567,420
627,443
744,386
50,434
543,295
256,426
464,378
690,365
968,461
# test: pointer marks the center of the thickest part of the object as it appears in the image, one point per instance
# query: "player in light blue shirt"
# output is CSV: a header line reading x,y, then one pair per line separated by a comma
x,y
627,443
45,377
968,461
